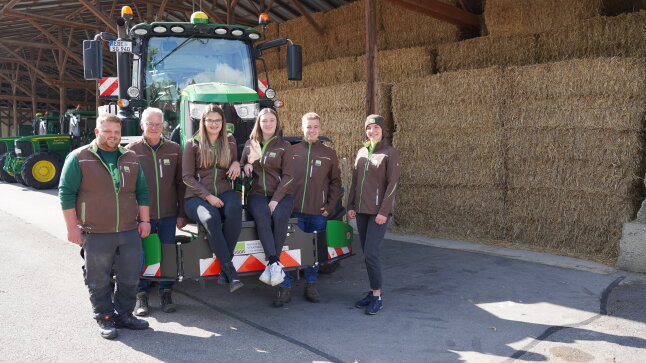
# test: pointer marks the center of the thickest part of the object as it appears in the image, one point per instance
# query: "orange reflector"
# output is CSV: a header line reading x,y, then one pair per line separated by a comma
x,y
123,102
279,103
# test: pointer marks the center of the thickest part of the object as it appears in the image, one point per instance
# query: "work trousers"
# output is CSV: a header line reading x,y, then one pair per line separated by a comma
x,y
371,235
222,225
165,229
102,251
271,227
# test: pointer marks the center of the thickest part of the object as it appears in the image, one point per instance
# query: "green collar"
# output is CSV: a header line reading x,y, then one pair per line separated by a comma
x,y
371,147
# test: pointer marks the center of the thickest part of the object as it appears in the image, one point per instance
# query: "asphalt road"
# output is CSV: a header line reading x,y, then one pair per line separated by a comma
x,y
440,305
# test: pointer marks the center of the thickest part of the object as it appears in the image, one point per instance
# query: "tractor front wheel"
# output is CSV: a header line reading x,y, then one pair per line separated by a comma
x,y
42,170
4,176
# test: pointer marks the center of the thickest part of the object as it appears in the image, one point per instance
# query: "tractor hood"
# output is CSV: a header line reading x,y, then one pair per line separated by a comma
x,y
219,93
43,137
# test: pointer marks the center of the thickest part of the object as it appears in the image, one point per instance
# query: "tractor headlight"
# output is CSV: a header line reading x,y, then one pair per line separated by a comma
x,y
247,111
254,36
177,29
133,92
237,32
270,93
159,29
220,31
141,31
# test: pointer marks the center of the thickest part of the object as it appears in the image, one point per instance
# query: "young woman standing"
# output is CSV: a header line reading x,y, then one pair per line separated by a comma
x,y
270,201
208,159
372,195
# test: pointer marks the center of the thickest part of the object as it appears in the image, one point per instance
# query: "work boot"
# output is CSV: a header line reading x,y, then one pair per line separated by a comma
x,y
106,327
311,294
283,296
167,305
141,306
232,277
128,321
376,304
364,302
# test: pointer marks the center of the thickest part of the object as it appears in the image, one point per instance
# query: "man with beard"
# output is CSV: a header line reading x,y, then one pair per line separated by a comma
x,y
104,198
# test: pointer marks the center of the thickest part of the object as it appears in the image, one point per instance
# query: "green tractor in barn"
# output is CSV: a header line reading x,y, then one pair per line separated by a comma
x,y
7,148
38,159
180,68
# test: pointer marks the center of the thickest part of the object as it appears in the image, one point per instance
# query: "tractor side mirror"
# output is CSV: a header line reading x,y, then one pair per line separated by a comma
x,y
92,60
294,62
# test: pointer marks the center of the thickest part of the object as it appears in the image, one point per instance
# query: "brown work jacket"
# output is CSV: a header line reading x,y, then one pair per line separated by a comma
x,y
317,178
272,173
99,207
163,171
374,179
201,182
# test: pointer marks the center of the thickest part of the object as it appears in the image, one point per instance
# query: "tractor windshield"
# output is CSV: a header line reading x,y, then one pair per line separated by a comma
x,y
172,63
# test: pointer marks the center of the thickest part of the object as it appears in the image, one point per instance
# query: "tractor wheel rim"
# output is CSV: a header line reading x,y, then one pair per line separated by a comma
x,y
43,171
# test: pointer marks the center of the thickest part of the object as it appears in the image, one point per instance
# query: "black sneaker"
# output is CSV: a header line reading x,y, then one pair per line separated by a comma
x,y
364,302
106,327
283,296
167,305
376,304
311,293
128,321
141,306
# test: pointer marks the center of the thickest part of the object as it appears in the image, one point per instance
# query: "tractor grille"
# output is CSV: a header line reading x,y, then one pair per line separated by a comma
x,y
3,148
25,147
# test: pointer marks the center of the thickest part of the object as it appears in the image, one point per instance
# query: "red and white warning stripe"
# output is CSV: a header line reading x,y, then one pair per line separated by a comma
x,y
336,252
152,270
109,87
262,87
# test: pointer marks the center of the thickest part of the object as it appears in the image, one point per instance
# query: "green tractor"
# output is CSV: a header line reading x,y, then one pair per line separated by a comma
x,y
38,159
180,68
7,148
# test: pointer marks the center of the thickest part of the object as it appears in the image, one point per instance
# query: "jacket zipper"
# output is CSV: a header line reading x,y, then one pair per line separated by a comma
x,y
309,149
215,169
264,160
116,192
365,168
377,202
156,178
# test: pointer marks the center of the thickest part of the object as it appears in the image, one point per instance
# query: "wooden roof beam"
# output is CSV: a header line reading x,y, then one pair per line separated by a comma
x,y
52,20
55,40
22,43
40,73
9,6
99,14
16,84
308,17
441,11
45,100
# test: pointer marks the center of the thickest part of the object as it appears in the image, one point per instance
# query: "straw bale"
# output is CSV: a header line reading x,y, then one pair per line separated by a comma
x,y
614,77
342,110
461,212
274,58
302,33
399,64
347,36
563,219
621,36
513,17
487,51
616,148
321,74
403,28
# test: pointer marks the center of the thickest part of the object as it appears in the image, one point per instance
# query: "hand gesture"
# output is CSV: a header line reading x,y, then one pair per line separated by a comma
x,y
214,201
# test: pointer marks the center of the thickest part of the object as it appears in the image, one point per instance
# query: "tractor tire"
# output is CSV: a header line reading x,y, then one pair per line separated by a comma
x,y
19,179
42,170
4,176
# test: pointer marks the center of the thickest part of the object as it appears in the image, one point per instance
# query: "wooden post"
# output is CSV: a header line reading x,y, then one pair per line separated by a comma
x,y
371,56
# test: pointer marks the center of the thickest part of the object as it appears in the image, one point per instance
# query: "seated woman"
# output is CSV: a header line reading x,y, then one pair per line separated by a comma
x,y
270,201
208,159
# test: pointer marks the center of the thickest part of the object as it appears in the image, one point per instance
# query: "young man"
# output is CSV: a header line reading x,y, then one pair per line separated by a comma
x,y
104,198
317,183
161,161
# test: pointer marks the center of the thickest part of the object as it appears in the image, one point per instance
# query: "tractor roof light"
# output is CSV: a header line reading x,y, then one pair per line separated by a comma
x,y
126,13
199,17
237,32
141,31
263,19
177,29
254,36
160,29
220,31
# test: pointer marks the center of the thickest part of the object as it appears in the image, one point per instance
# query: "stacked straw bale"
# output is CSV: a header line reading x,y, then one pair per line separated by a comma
x,y
514,17
574,146
347,31
486,52
342,111
302,33
619,36
394,66
449,134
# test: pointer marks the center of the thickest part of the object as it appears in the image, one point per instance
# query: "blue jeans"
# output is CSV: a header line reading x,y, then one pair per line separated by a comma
x,y
309,224
165,229
222,225
271,227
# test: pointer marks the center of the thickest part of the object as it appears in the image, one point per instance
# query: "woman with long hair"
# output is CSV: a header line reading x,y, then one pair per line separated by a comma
x,y
372,195
270,201
209,158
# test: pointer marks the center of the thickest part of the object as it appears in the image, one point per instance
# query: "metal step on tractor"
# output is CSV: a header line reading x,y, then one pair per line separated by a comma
x,y
180,67
37,160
